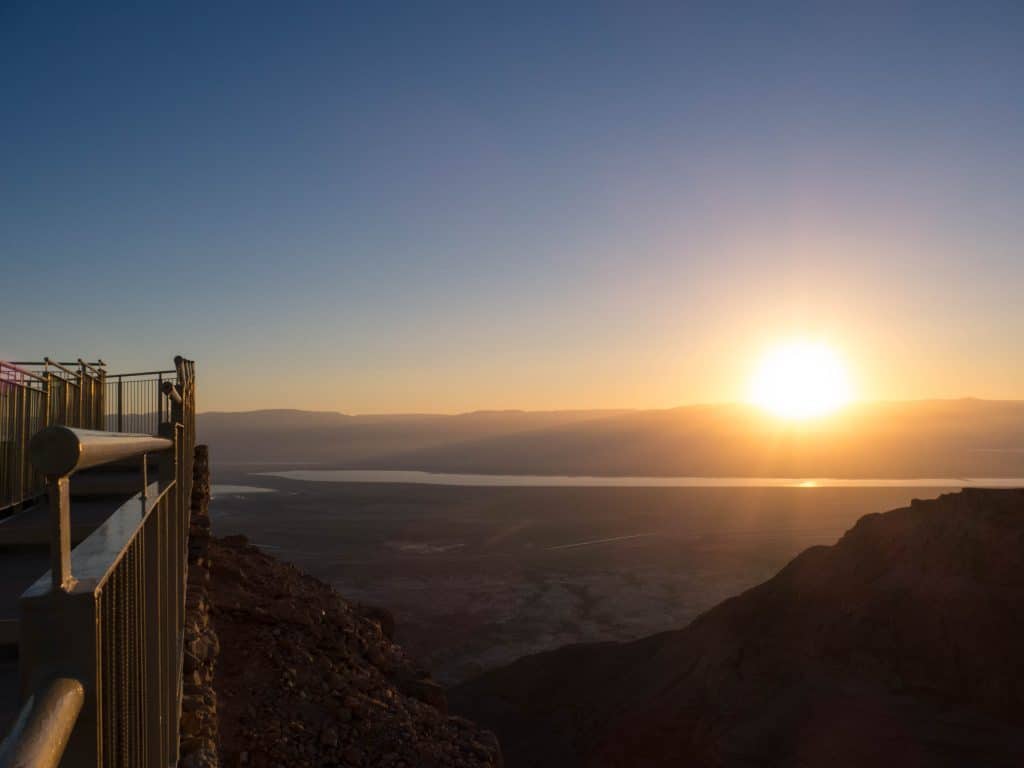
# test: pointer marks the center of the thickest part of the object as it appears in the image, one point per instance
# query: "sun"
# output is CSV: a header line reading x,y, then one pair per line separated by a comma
x,y
800,380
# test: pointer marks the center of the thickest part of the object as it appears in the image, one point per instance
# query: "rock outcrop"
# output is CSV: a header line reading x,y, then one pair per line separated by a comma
x,y
901,645
309,679
199,700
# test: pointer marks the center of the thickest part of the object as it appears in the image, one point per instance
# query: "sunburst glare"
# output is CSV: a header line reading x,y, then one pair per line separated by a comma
x,y
800,380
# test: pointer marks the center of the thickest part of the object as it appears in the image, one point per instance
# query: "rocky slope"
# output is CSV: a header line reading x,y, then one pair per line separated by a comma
x,y
899,645
305,678
199,737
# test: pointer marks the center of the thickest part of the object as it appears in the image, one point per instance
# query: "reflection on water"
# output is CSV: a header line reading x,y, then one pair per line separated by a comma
x,y
224,489
441,478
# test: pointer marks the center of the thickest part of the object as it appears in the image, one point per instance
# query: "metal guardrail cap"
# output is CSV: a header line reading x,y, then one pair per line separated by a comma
x,y
60,450
41,733
55,450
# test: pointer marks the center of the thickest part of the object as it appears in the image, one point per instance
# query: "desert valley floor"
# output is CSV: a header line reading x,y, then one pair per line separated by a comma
x,y
477,577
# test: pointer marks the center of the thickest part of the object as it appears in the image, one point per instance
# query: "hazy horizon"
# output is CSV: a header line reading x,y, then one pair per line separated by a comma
x,y
609,409
925,438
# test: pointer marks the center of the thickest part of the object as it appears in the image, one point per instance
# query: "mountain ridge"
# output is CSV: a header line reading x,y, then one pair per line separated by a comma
x,y
486,411
931,438
898,645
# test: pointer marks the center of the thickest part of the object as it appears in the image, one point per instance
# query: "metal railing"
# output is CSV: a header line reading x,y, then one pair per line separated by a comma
x,y
23,403
34,395
109,617
135,401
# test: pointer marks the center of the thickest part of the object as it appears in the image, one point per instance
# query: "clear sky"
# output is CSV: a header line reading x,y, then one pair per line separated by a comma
x,y
430,207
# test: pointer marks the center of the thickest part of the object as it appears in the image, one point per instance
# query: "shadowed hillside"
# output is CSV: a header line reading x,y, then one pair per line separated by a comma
x,y
941,438
307,678
899,645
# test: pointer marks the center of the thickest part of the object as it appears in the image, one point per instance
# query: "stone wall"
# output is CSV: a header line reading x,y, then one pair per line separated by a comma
x,y
199,740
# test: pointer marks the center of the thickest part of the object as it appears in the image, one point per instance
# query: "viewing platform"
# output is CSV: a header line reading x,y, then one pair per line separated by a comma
x,y
95,484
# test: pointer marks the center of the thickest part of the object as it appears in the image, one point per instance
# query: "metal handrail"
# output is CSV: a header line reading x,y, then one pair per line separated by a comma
x,y
64,362
139,373
60,450
16,367
61,366
50,361
40,734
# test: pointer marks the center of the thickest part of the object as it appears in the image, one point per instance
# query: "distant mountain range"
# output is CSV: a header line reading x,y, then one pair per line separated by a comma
x,y
898,646
928,438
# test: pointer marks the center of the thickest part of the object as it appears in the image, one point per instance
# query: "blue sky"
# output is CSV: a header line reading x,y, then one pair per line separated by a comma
x,y
440,207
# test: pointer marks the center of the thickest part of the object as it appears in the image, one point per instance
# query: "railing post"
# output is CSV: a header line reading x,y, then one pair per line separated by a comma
x,y
18,443
45,422
81,397
60,532
101,399
62,417
169,469
3,448
26,434
154,554
120,406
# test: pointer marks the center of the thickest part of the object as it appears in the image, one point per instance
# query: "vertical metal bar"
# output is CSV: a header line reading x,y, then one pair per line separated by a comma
x,y
26,433
8,446
124,692
169,469
101,399
60,533
114,674
140,646
46,402
5,443
103,739
108,678
139,632
3,438
18,445
81,396
153,570
120,405
170,722
67,403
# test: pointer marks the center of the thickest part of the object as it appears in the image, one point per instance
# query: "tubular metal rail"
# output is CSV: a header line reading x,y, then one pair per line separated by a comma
x,y
101,635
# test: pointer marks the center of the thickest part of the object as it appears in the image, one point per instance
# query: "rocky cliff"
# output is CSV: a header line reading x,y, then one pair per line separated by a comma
x,y
899,645
305,678
198,722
